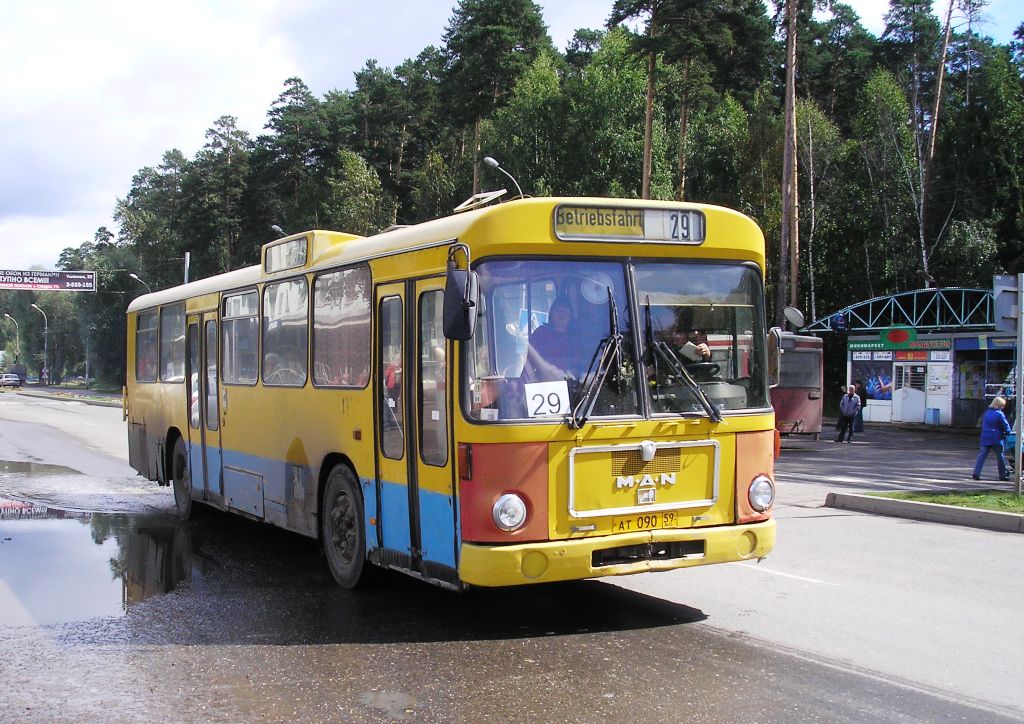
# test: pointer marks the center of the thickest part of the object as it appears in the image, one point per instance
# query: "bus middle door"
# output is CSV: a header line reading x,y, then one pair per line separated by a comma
x,y
416,517
204,408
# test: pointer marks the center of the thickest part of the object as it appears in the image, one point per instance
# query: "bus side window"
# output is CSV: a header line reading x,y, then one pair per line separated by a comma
x,y
172,343
392,417
341,328
433,410
285,333
193,376
146,347
240,325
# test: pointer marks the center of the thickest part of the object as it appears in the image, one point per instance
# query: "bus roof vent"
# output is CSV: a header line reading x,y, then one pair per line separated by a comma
x,y
481,199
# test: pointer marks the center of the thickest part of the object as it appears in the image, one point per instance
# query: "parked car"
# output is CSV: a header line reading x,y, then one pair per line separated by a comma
x,y
10,380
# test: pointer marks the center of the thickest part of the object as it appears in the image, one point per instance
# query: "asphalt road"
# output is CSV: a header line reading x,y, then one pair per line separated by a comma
x,y
126,615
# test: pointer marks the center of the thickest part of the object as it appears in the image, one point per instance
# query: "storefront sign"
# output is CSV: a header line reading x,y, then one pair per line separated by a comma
x,y
858,344
861,356
939,356
985,342
882,356
906,355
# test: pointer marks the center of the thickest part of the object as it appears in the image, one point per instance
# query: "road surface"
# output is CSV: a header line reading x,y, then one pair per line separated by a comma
x,y
110,610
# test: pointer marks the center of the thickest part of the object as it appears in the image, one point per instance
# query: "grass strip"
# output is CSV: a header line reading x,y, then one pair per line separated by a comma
x,y
998,500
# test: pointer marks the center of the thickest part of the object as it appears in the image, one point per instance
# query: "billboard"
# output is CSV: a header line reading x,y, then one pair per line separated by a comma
x,y
56,281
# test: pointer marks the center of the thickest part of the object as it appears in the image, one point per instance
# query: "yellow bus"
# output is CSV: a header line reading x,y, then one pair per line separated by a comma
x,y
539,390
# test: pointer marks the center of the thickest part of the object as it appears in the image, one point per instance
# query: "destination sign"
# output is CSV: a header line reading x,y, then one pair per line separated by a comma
x,y
56,281
609,223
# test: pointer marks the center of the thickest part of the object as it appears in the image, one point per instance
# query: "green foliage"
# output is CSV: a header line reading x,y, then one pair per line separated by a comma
x,y
969,254
355,200
433,190
403,146
604,127
529,131
717,146
997,500
489,44
890,183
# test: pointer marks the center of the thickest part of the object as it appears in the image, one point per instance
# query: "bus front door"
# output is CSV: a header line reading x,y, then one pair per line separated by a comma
x,y
204,407
416,517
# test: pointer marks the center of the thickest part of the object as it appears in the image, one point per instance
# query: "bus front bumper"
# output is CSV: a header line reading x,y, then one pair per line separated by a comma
x,y
613,555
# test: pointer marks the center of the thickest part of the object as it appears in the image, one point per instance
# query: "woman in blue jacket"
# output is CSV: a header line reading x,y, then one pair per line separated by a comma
x,y
994,427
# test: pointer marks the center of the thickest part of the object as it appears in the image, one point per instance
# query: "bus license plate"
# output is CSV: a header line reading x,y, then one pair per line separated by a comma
x,y
644,521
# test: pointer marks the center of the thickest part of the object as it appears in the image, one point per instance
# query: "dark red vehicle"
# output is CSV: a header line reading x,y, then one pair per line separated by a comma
x,y
797,399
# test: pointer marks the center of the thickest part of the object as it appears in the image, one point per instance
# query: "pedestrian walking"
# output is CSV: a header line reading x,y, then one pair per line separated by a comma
x,y
994,428
849,408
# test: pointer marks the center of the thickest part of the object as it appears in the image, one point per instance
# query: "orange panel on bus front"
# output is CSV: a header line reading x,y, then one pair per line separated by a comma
x,y
755,455
496,469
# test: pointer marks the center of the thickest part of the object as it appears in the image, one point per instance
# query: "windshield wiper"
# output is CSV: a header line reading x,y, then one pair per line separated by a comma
x,y
657,348
607,355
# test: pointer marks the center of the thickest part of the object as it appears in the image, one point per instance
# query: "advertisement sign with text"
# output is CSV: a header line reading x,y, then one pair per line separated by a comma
x,y
54,281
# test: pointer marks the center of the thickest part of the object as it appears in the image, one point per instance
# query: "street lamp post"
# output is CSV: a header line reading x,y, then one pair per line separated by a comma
x,y
494,164
140,281
17,332
46,344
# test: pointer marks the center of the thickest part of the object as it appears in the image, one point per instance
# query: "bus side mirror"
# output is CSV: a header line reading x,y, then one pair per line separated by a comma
x,y
774,356
461,301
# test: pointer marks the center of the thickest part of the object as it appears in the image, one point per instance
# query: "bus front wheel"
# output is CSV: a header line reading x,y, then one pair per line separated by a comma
x,y
182,480
344,537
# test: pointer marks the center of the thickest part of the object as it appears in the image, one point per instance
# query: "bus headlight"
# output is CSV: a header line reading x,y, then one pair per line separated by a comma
x,y
762,493
509,512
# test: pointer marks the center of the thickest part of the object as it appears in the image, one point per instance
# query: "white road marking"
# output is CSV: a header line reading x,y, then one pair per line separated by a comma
x,y
762,569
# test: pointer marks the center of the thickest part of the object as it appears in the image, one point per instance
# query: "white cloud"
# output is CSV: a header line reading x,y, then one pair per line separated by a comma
x,y
95,91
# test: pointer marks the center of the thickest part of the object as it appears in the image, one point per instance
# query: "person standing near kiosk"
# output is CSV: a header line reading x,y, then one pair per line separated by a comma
x,y
849,407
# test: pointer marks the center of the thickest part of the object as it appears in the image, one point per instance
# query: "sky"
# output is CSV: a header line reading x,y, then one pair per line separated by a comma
x,y
94,91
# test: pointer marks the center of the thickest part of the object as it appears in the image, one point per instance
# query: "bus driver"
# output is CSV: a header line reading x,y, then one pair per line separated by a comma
x,y
553,353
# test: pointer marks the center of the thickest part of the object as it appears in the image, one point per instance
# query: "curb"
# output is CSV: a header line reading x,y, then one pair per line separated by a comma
x,y
930,512
72,398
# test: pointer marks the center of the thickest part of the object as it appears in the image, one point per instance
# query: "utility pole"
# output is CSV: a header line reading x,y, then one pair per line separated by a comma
x,y
17,333
789,252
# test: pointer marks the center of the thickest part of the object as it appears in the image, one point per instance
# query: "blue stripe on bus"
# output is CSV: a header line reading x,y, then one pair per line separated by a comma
x,y
436,521
437,527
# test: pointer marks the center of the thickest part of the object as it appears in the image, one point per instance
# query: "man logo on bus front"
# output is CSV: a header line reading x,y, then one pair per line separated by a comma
x,y
646,485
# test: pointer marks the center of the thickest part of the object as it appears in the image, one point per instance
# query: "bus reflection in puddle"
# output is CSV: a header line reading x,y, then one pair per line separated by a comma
x,y
60,566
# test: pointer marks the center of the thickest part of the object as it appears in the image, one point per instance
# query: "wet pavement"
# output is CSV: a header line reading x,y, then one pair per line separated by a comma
x,y
140,617
61,566
113,610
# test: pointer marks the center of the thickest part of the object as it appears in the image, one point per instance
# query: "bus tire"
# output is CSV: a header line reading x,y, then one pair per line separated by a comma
x,y
181,480
342,530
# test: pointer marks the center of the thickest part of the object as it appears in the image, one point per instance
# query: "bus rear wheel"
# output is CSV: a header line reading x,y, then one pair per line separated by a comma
x,y
181,480
342,531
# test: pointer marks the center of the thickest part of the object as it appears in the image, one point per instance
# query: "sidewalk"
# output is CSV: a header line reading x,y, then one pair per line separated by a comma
x,y
898,456
828,427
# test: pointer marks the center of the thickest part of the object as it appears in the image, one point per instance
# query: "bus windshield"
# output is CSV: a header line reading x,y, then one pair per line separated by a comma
x,y
711,317
546,325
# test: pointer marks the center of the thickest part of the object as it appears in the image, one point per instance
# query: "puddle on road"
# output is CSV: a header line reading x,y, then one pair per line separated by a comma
x,y
17,476
34,469
58,566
